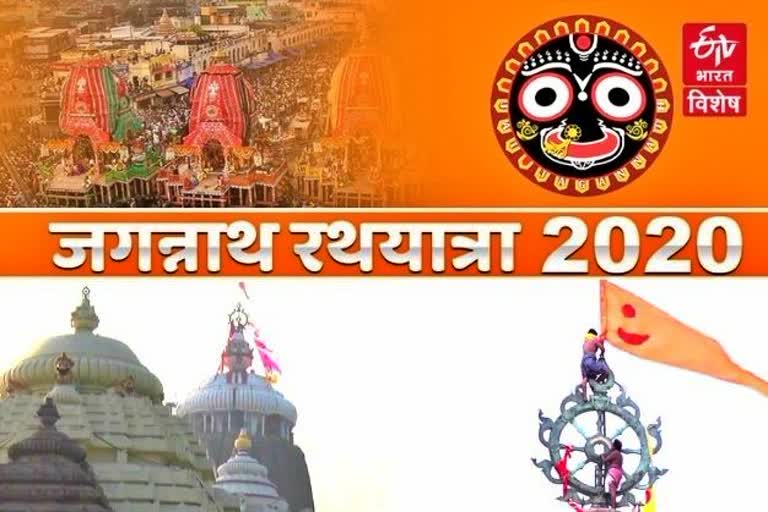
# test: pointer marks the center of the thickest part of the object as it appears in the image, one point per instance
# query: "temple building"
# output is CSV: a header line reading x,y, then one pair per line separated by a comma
x,y
144,458
238,399
48,471
165,25
246,480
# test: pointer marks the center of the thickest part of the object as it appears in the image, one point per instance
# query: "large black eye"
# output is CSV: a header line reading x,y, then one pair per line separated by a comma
x,y
618,97
545,97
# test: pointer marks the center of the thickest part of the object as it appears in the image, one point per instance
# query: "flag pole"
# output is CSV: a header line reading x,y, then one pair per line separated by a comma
x,y
603,308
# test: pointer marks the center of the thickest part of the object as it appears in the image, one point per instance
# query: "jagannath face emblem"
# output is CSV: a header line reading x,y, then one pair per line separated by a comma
x,y
582,105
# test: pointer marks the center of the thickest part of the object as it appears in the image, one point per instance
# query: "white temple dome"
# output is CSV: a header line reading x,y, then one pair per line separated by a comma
x,y
99,362
255,394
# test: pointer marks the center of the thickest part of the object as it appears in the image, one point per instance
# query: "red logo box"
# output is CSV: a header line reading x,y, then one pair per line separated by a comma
x,y
715,54
715,101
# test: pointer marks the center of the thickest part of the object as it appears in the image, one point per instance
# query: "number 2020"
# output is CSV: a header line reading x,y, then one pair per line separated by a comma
x,y
662,261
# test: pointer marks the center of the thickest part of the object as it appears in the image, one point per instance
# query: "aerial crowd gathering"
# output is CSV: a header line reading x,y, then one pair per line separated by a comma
x,y
294,86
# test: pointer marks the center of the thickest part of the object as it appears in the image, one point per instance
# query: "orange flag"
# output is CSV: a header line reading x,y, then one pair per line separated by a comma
x,y
640,328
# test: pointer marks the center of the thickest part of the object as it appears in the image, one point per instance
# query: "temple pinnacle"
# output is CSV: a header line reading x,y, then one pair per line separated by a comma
x,y
84,317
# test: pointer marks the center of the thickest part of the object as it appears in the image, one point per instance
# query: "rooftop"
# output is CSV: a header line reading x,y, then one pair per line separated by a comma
x,y
45,33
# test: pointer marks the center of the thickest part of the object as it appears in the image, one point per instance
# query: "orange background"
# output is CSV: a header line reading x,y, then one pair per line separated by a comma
x,y
20,257
447,54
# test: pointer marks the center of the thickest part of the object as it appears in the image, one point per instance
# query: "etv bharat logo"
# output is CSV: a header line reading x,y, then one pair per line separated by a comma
x,y
715,69
582,105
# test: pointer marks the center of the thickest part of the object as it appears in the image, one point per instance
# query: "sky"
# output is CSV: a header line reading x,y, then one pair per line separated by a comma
x,y
423,393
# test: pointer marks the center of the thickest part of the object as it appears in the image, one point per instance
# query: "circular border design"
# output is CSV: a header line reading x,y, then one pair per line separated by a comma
x,y
546,178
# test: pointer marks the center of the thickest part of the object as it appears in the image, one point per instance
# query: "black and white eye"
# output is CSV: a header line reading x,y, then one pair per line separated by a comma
x,y
618,97
545,97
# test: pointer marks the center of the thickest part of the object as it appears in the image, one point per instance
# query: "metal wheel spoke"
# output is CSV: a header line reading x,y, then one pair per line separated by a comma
x,y
620,431
632,451
581,465
581,431
575,448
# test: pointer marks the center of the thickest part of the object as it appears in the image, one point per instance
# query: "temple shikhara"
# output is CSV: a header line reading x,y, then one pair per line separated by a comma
x,y
237,401
220,104
84,425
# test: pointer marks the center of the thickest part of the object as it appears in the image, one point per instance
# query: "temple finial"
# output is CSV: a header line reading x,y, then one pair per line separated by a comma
x,y
239,317
238,355
84,317
243,442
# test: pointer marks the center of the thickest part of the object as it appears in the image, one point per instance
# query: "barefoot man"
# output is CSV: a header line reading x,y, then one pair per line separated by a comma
x,y
614,461
592,367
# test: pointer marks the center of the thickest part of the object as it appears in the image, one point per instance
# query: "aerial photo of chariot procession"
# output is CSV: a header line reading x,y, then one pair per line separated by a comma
x,y
168,103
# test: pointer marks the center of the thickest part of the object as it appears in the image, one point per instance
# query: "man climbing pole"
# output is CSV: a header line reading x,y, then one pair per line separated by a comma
x,y
592,366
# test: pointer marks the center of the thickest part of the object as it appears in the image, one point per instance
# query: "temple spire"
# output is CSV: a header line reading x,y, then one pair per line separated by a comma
x,y
165,25
84,318
238,355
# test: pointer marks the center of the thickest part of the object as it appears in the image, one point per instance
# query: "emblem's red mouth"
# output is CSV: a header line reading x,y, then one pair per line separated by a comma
x,y
632,338
554,144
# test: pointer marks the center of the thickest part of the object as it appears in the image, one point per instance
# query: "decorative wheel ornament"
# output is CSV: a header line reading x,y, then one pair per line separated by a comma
x,y
589,427
239,317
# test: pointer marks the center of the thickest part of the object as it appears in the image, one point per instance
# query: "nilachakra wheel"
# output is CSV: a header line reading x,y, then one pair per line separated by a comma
x,y
589,427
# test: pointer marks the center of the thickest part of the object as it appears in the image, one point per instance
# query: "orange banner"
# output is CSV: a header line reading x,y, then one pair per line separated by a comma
x,y
640,328
530,242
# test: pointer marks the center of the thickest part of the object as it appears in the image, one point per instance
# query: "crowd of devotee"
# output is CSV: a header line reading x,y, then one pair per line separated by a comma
x,y
19,179
283,90
291,89
10,194
294,86
19,140
164,124
24,71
